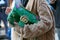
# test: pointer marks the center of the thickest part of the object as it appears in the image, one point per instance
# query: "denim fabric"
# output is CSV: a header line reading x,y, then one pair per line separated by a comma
x,y
3,16
57,14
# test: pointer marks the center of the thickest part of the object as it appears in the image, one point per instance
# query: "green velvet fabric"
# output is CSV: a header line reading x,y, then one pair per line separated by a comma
x,y
21,16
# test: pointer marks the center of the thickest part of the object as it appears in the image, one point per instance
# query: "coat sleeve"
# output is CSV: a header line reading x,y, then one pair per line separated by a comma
x,y
43,26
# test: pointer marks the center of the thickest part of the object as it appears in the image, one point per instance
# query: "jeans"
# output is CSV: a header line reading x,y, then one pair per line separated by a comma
x,y
3,17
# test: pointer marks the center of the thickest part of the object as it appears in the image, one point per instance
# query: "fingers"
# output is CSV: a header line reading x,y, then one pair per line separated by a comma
x,y
8,9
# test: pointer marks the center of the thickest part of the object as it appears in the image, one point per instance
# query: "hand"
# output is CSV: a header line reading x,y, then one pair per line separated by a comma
x,y
8,9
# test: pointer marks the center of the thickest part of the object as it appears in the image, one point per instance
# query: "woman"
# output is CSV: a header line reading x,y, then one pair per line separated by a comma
x,y
44,29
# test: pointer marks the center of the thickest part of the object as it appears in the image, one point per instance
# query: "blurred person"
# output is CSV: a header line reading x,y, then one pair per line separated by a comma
x,y
44,29
3,16
57,17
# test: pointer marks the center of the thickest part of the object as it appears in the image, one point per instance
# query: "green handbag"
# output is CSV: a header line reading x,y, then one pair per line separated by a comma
x,y
21,16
